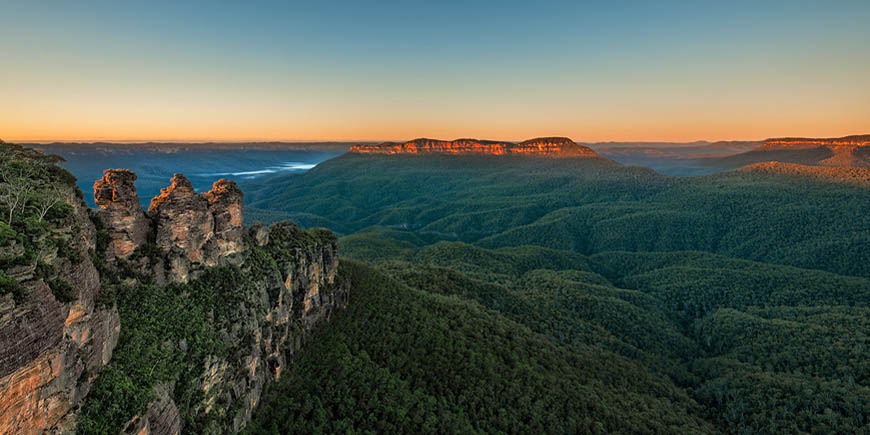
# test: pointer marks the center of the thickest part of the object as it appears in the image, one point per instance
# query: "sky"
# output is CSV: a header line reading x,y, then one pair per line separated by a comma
x,y
397,70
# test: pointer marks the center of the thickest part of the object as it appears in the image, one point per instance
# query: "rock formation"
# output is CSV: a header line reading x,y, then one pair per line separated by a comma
x,y
53,347
225,205
119,208
553,147
277,318
850,151
804,143
539,147
197,230
51,350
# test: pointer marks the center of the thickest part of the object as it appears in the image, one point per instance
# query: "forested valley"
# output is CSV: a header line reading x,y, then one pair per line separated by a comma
x,y
579,295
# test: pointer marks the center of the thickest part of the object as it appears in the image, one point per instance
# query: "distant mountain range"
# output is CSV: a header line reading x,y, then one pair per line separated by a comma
x,y
847,151
185,146
542,147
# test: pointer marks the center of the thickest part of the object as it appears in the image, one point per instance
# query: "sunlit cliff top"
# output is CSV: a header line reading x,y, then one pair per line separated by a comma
x,y
543,146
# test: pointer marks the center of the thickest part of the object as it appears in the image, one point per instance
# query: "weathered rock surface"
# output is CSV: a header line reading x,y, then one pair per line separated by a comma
x,y
119,209
184,225
225,206
51,351
197,230
272,324
804,142
848,151
539,147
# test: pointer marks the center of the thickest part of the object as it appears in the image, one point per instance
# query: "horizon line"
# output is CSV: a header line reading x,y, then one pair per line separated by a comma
x,y
321,141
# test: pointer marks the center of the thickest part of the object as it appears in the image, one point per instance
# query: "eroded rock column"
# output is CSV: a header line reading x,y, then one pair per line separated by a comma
x,y
119,209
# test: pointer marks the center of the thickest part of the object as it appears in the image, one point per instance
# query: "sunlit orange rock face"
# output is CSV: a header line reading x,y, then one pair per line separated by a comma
x,y
195,229
119,208
805,143
848,151
539,147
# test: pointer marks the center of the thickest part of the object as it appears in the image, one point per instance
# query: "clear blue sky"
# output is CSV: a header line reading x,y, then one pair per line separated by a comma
x,y
398,70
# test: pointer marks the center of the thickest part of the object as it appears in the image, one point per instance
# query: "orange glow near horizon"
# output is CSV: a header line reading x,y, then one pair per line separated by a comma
x,y
606,73
118,130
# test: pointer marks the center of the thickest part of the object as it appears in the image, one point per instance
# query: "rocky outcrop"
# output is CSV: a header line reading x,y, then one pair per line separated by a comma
x,y
119,209
225,205
52,348
276,318
805,143
539,147
197,230
162,416
848,151
56,338
184,225
192,232
552,147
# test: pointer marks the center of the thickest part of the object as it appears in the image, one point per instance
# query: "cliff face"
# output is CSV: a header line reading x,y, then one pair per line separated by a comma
x,y
58,329
56,337
540,147
281,305
118,203
848,151
197,230
804,143
280,311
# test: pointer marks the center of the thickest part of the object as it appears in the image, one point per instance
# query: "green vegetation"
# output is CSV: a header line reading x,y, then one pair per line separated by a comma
x,y
747,295
171,333
426,363
35,212
508,296
581,205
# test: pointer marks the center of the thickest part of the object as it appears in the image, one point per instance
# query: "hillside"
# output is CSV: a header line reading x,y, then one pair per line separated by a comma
x,y
581,205
747,291
848,151
849,175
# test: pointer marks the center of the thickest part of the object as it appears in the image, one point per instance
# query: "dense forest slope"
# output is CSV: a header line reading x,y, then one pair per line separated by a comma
x,y
585,205
748,292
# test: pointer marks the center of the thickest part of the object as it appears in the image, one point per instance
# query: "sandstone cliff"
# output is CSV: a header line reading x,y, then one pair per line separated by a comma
x,y
265,324
118,203
289,287
539,147
803,142
848,151
60,322
55,336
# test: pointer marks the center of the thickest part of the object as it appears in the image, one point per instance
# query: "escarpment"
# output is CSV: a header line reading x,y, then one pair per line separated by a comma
x,y
803,142
848,151
118,203
56,335
260,292
538,147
